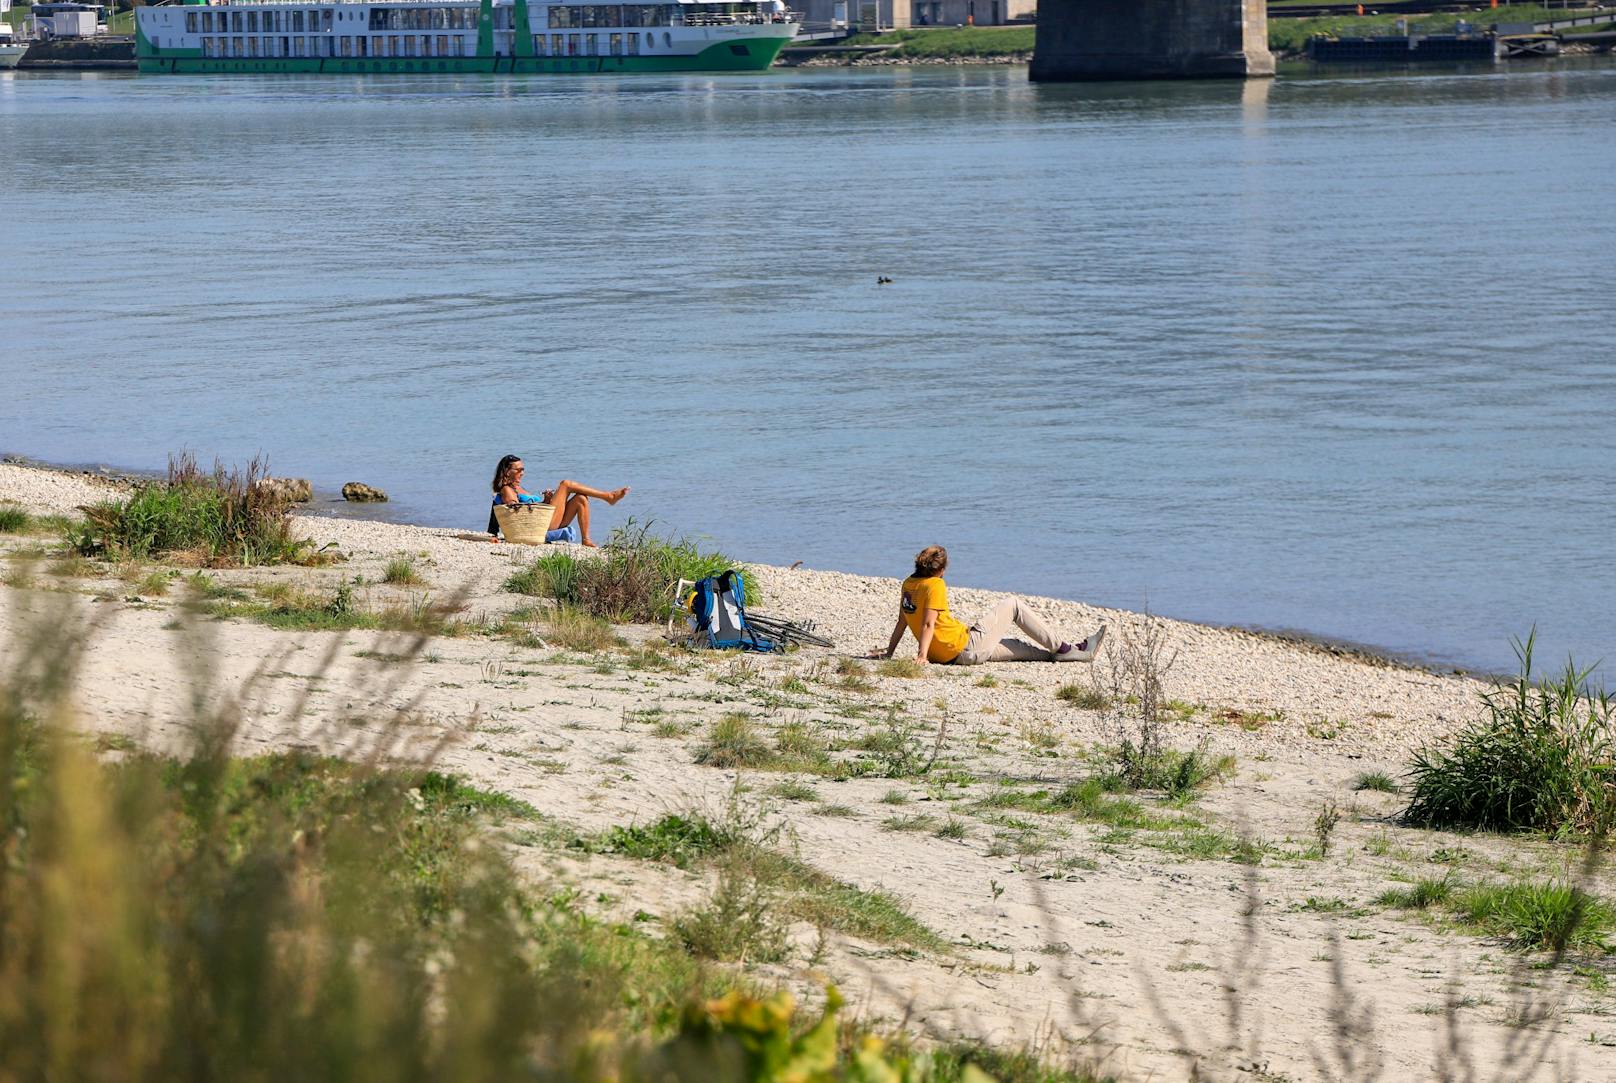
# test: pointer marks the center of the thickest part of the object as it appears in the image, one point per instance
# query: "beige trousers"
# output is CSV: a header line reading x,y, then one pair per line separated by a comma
x,y
988,642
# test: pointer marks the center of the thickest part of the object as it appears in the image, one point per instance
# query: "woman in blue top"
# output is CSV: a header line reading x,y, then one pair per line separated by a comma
x,y
569,501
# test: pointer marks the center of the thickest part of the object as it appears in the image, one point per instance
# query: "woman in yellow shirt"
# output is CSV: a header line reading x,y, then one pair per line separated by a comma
x,y
944,640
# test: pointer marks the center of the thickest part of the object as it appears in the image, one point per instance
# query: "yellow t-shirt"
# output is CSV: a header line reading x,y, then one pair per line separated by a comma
x,y
950,636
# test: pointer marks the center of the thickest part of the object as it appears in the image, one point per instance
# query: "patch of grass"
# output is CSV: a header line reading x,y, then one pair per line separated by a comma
x,y
1378,781
835,810
1041,735
575,630
733,741
951,829
895,797
794,790
631,579
14,520
1540,760
1082,696
222,518
401,572
918,822
1178,773
681,840
1548,915
1092,801
906,668
1422,895
987,680
1247,720
450,792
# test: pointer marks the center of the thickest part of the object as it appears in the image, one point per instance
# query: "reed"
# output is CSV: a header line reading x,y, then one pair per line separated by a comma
x,y
1542,759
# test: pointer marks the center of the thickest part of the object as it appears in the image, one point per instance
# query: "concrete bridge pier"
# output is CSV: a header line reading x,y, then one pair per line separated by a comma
x,y
1151,39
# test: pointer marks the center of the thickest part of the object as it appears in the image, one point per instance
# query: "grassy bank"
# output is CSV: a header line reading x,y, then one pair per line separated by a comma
x,y
961,43
1291,35
1284,35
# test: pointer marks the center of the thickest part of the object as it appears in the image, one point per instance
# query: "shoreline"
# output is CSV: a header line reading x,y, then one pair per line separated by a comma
x,y
381,514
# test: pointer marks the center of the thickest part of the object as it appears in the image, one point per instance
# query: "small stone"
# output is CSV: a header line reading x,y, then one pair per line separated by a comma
x,y
360,493
293,490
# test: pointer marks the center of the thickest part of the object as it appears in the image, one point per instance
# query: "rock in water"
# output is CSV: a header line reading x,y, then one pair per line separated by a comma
x,y
360,493
292,490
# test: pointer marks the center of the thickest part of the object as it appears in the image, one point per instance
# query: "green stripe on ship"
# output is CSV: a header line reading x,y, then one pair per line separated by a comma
x,y
759,54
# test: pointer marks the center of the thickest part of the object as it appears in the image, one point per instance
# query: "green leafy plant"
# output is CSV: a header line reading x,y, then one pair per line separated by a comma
x,y
630,580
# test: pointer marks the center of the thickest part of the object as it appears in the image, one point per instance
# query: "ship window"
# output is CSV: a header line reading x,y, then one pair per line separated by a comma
x,y
650,41
617,45
190,22
252,22
634,44
593,43
667,40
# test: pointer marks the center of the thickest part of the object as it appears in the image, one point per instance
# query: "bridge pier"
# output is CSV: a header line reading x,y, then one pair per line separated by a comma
x,y
1151,39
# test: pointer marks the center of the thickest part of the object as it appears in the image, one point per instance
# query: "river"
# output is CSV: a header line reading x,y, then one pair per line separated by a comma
x,y
1330,354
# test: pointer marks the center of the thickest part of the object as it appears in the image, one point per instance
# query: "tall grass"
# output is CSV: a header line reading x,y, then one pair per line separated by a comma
x,y
1543,759
291,916
13,520
222,517
632,578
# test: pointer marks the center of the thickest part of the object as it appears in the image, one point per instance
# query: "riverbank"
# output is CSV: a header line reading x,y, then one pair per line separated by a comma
x,y
1108,929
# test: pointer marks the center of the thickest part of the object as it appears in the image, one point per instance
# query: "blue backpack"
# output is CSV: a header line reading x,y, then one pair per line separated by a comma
x,y
718,613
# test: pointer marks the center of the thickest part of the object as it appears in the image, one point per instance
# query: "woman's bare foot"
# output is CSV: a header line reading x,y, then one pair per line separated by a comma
x,y
587,544
616,494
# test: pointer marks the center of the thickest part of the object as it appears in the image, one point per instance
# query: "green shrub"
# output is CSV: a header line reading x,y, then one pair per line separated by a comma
x,y
630,580
901,667
1543,758
224,517
13,520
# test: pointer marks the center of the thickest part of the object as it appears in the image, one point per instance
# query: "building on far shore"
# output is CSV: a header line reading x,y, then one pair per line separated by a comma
x,y
903,14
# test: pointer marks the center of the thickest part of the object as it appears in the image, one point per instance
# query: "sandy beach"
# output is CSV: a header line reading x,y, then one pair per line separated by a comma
x,y
1061,932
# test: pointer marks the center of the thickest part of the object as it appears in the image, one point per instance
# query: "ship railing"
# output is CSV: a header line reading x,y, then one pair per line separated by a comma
x,y
749,18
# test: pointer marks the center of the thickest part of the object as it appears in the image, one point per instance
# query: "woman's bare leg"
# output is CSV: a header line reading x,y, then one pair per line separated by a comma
x,y
565,490
576,510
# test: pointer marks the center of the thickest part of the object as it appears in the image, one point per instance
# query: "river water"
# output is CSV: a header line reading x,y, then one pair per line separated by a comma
x,y
1332,354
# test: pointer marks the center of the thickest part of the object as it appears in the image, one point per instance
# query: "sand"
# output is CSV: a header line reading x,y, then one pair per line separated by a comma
x,y
1064,933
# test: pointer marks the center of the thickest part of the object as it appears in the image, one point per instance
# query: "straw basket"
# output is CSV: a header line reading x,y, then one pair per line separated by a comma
x,y
524,524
